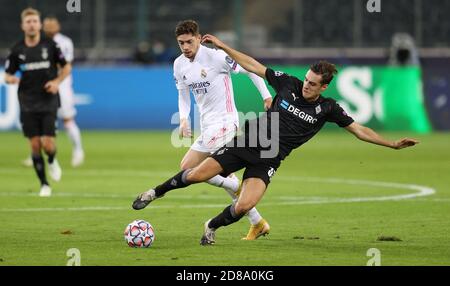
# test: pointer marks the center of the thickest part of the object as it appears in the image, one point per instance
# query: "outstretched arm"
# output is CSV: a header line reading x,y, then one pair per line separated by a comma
x,y
366,134
261,86
247,62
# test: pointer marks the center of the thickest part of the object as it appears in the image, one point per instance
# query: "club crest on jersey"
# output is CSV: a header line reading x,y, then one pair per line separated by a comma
x,y
203,73
44,53
318,109
22,57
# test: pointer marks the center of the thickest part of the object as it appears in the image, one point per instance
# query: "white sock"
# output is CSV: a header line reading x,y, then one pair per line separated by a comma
x,y
230,185
74,135
253,216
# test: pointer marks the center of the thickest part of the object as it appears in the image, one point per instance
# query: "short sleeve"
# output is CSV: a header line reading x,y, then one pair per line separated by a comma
x,y
277,79
59,56
339,116
12,63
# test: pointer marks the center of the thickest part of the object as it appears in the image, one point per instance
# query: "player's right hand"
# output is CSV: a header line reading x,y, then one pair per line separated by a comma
x,y
267,103
52,86
404,143
12,79
185,129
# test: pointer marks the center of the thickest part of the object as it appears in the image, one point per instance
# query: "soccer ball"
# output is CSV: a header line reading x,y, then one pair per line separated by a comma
x,y
139,233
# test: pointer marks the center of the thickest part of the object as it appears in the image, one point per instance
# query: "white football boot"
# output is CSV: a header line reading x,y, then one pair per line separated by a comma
x,y
46,191
55,171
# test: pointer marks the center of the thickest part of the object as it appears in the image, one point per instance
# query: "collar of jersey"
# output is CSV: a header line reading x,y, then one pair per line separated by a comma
x,y
317,101
199,54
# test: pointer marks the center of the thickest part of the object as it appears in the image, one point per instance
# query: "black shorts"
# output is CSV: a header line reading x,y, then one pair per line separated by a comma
x,y
232,159
38,123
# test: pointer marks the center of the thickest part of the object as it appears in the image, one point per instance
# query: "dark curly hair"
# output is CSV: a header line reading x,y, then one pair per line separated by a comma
x,y
187,27
325,69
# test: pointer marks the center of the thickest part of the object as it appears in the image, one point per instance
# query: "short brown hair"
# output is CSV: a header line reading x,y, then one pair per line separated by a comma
x,y
325,69
187,27
51,18
29,11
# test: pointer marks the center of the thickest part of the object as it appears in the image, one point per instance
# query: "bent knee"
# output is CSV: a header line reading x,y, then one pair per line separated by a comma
x,y
189,163
184,165
243,207
35,144
48,146
36,148
195,176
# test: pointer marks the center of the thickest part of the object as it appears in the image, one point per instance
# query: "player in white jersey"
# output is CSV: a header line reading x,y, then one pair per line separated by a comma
x,y
206,73
67,110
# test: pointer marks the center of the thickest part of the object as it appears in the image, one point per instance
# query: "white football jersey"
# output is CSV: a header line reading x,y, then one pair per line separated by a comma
x,y
66,46
208,78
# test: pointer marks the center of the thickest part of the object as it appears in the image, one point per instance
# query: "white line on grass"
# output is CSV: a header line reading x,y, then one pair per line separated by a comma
x,y
420,191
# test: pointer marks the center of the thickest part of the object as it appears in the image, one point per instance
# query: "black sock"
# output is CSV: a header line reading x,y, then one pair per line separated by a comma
x,y
176,182
51,156
39,167
228,216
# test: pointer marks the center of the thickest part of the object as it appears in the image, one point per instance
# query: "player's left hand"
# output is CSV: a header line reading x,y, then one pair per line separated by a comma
x,y
404,143
52,86
267,103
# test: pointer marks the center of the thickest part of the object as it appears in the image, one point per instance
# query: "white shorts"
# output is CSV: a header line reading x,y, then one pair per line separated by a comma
x,y
67,108
214,137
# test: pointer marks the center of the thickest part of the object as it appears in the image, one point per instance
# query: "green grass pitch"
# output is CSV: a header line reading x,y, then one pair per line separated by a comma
x,y
327,204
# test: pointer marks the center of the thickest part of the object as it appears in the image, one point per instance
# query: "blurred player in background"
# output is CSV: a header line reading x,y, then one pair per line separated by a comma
x,y
38,59
67,110
206,73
